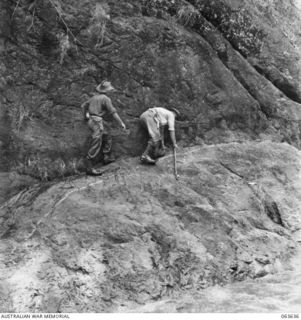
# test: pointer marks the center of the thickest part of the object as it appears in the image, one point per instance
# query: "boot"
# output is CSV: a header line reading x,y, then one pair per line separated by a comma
x,y
108,158
147,159
89,165
95,172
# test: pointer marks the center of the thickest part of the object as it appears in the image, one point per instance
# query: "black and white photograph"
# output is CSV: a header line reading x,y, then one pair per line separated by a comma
x,y
150,159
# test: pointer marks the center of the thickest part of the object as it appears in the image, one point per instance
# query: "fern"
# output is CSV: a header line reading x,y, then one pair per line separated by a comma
x,y
187,15
64,47
99,22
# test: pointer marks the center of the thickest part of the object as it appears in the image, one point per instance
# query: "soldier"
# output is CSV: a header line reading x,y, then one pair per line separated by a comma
x,y
94,109
154,120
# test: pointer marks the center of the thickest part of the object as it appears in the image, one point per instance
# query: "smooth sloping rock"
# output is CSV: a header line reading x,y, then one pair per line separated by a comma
x,y
137,235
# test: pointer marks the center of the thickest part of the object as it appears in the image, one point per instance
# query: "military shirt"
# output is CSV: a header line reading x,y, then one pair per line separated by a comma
x,y
99,105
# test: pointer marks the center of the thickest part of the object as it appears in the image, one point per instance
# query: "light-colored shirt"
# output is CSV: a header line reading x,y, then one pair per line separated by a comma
x,y
164,117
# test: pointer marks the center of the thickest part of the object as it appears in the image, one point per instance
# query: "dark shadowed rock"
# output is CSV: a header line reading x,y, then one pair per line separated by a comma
x,y
229,67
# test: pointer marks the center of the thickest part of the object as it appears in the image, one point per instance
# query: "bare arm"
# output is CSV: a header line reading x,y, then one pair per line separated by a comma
x,y
162,136
84,108
173,138
117,118
171,127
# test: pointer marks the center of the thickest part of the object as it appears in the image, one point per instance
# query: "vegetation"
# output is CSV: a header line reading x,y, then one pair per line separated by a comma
x,y
237,26
187,15
64,46
45,169
100,17
19,114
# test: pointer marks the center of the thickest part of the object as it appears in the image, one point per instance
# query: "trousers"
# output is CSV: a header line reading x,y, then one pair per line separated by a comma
x,y
100,140
154,145
148,121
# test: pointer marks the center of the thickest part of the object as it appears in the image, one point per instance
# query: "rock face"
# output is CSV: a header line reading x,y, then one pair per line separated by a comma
x,y
136,235
230,67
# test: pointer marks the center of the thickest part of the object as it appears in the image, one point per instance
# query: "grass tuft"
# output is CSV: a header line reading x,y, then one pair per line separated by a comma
x,y
187,15
100,18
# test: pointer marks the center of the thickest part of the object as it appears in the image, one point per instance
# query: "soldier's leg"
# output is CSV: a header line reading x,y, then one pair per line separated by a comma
x,y
150,124
96,142
146,155
146,122
107,149
159,151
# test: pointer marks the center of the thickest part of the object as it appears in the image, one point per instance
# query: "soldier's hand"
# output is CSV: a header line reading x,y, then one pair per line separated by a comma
x,y
175,146
87,116
123,126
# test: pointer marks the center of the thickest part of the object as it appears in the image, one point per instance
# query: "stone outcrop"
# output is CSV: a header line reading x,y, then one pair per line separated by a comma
x,y
231,68
136,235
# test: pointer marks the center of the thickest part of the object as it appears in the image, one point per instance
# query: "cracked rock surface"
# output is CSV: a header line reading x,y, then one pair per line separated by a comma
x,y
136,235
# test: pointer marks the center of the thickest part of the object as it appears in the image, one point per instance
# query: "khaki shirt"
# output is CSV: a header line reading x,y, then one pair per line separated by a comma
x,y
99,105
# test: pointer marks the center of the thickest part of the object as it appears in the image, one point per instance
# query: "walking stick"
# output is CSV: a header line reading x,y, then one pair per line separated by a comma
x,y
175,163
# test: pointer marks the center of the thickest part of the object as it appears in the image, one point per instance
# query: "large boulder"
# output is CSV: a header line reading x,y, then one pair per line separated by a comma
x,y
137,235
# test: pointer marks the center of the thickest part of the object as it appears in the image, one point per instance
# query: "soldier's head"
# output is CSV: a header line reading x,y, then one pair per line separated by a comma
x,y
176,112
105,87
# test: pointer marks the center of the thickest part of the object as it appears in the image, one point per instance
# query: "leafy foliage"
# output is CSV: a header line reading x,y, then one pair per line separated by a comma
x,y
64,46
237,26
100,17
155,7
19,114
187,15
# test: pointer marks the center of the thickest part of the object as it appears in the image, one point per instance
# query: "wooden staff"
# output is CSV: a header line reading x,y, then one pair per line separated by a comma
x,y
175,163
